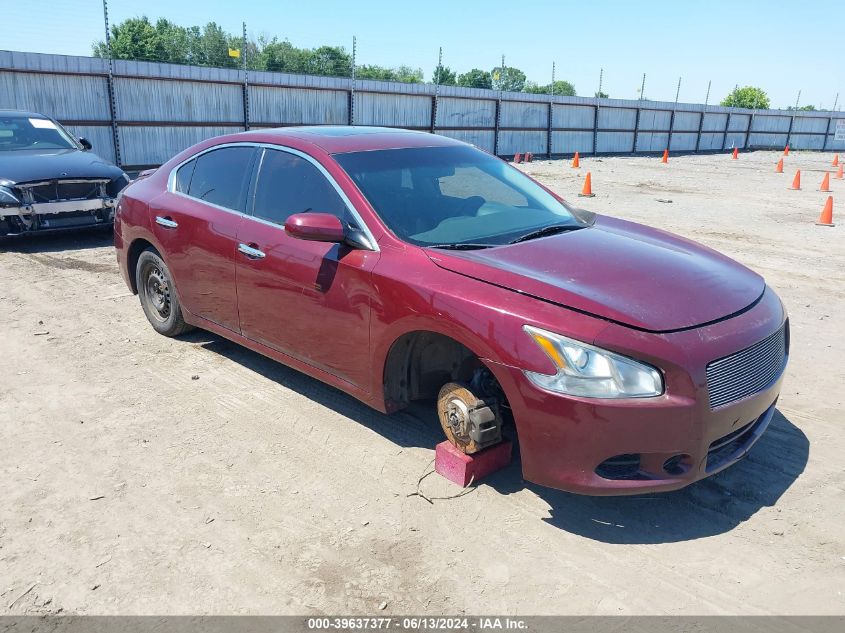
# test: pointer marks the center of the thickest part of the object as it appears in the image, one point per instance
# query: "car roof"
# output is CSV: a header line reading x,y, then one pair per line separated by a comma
x,y
33,115
337,139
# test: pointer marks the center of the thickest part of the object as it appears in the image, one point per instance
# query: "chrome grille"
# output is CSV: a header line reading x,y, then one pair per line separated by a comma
x,y
748,371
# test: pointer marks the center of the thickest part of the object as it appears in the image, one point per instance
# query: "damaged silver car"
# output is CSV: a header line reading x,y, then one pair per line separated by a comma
x,y
50,180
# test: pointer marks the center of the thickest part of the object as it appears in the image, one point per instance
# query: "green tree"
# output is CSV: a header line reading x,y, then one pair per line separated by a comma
x,y
134,38
476,78
400,73
561,87
747,97
444,76
808,108
601,95
509,79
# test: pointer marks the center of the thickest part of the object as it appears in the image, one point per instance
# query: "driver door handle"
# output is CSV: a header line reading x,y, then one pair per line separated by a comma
x,y
249,251
166,222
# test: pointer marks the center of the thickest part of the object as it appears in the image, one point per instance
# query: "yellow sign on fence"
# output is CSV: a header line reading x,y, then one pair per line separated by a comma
x,y
234,52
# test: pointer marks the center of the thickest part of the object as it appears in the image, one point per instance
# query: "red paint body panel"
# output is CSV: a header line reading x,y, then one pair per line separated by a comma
x,y
335,312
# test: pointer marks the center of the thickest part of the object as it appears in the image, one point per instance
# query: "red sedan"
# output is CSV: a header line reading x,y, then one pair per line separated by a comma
x,y
401,266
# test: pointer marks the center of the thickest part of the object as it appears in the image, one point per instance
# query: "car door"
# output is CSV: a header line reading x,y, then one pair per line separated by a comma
x,y
197,221
310,300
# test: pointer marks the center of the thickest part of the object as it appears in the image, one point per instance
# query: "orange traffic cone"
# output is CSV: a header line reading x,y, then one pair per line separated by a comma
x,y
839,175
786,151
517,158
665,158
587,191
779,167
576,162
835,162
735,153
796,182
826,218
825,183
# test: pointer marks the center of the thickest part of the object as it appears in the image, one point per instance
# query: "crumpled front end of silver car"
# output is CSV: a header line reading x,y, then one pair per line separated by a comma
x,y
56,204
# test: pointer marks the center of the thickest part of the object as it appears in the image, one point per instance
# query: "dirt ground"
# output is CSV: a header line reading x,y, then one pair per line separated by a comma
x,y
144,475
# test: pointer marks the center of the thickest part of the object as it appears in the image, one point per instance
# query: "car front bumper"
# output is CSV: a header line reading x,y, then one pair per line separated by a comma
x,y
632,446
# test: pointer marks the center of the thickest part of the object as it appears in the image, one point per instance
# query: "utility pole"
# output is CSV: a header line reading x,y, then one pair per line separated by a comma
x,y
678,91
835,101
601,79
553,78
642,89
110,86
707,96
797,99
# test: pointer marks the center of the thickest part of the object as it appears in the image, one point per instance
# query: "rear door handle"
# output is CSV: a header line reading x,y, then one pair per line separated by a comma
x,y
166,222
249,251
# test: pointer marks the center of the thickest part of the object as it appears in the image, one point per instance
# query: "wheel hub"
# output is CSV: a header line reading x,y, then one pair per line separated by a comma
x,y
457,415
158,292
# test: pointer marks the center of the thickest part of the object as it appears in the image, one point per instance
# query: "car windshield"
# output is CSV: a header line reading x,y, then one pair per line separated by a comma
x,y
26,132
454,197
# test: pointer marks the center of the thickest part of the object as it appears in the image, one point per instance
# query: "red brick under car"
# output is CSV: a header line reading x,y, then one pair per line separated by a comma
x,y
401,266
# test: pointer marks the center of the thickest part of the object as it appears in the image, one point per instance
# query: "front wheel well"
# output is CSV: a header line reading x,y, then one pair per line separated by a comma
x,y
135,249
420,363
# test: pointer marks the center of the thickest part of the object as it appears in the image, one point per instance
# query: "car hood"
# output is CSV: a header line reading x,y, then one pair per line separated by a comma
x,y
617,270
34,165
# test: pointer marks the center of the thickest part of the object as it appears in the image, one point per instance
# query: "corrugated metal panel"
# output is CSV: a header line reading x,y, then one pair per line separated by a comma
x,y
513,142
616,119
156,100
807,141
652,141
832,128
655,120
758,139
735,139
764,123
143,145
465,113
710,141
683,141
392,110
571,142
80,98
804,124
686,121
615,142
714,122
293,106
573,116
834,145
739,122
482,139
100,137
524,115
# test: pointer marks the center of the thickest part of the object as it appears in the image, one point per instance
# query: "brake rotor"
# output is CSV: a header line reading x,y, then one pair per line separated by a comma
x,y
458,409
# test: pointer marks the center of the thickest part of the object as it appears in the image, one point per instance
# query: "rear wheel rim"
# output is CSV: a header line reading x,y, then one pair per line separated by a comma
x,y
157,290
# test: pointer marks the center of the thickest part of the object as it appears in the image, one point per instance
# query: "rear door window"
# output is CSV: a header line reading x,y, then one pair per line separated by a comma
x,y
183,176
222,176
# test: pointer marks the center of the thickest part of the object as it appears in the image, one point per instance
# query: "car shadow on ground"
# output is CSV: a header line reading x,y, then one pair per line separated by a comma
x,y
706,508
67,240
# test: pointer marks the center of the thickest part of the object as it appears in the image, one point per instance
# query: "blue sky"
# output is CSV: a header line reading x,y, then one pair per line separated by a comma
x,y
781,46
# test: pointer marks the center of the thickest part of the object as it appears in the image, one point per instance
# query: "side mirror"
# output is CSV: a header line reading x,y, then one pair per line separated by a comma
x,y
316,227
86,144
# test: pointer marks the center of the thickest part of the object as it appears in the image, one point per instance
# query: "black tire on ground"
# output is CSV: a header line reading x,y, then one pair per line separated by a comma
x,y
157,294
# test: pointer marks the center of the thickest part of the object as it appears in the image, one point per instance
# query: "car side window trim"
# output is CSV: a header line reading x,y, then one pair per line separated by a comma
x,y
255,165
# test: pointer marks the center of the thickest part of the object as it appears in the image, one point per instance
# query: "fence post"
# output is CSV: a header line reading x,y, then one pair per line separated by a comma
x,y
110,87
671,129
727,129
636,129
827,131
246,82
748,130
351,106
700,127
596,130
496,128
549,130
789,131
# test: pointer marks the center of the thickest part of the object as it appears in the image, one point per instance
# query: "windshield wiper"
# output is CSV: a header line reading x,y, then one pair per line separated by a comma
x,y
465,246
546,230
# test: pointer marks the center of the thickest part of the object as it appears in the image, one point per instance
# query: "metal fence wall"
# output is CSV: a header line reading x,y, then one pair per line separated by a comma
x,y
160,109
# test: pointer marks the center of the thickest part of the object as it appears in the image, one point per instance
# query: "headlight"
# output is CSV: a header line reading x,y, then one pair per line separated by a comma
x,y
590,372
7,198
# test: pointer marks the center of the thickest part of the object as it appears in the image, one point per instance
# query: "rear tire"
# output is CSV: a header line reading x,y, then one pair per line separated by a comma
x,y
158,295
